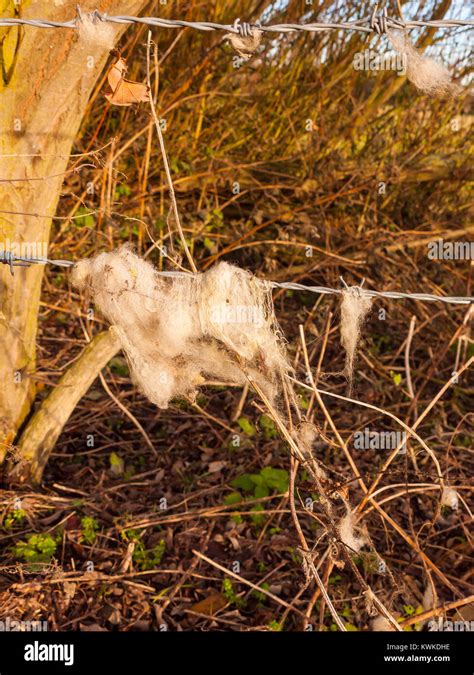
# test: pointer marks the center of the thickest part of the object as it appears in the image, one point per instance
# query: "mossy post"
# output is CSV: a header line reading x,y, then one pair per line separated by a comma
x,y
46,79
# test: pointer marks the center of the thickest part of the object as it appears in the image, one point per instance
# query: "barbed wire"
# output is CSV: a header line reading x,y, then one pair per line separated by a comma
x,y
378,22
10,259
324,290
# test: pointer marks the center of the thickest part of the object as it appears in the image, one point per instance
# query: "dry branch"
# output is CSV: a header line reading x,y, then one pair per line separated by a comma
x,y
47,423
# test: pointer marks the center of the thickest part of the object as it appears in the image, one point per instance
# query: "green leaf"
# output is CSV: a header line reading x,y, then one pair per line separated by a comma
x,y
257,517
230,594
246,426
304,402
37,548
233,498
174,165
243,482
258,595
275,478
275,626
90,527
156,554
119,366
261,491
396,377
116,464
209,245
122,190
268,426
84,218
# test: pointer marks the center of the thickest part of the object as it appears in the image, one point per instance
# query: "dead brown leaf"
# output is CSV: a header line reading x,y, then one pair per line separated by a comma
x,y
210,605
124,92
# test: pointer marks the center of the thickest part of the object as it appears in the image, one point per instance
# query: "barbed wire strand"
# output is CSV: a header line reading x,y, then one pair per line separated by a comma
x,y
10,259
379,22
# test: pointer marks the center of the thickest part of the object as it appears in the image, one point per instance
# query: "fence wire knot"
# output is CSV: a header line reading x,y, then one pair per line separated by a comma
x,y
379,20
8,258
94,16
244,29
100,16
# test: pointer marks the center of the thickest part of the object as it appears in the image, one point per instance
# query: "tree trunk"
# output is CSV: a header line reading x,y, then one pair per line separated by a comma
x,y
47,75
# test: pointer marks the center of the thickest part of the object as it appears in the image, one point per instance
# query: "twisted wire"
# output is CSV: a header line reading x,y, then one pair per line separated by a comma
x,y
8,258
378,22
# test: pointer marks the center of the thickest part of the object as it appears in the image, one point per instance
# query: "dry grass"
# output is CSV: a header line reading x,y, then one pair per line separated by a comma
x,y
362,172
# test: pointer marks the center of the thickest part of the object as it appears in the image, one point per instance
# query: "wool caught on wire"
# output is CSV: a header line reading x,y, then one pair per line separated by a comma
x,y
428,75
349,536
355,307
178,331
450,498
95,33
245,45
306,435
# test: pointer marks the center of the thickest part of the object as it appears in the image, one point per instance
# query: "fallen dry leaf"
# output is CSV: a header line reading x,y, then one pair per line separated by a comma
x,y
210,605
216,466
124,92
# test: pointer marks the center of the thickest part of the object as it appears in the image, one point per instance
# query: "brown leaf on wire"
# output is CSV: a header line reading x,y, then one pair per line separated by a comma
x,y
124,92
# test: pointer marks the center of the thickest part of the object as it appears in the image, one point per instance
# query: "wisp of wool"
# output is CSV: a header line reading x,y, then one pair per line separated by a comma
x,y
380,623
425,73
347,532
450,498
429,601
354,309
306,435
95,33
245,45
179,330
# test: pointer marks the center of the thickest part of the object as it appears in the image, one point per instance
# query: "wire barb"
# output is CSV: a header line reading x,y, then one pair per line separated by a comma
x,y
378,20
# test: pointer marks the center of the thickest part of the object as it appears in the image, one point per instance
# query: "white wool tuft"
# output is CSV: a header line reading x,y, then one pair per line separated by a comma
x,y
177,331
426,74
96,33
245,46
428,601
380,623
450,498
305,436
346,528
307,433
354,309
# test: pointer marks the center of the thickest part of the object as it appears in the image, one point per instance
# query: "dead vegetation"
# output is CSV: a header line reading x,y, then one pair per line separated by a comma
x,y
297,167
